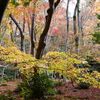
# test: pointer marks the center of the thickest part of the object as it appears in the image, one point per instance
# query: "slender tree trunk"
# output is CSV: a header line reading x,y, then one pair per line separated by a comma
x,y
11,33
42,44
78,20
81,29
20,30
67,10
23,30
3,5
11,36
2,35
23,24
32,35
78,14
15,33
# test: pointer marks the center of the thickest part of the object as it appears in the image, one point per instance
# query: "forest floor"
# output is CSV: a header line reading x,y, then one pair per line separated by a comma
x,y
71,93
67,92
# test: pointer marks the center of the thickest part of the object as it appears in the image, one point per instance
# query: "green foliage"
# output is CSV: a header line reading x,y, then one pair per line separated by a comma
x,y
64,64
26,63
51,91
23,2
60,62
83,85
90,78
14,56
26,2
98,16
9,96
58,83
15,3
37,86
3,97
96,37
89,58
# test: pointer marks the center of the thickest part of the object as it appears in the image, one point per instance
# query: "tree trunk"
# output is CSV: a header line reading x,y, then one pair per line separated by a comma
x,y
11,33
2,35
42,44
23,24
32,35
78,14
78,20
75,28
20,30
11,37
15,33
23,30
3,5
67,25
81,29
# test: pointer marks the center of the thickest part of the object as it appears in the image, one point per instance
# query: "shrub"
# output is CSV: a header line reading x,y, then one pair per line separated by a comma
x,y
3,97
36,87
83,85
7,97
51,91
58,83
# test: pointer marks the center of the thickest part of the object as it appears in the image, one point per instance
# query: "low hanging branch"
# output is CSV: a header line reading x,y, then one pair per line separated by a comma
x,y
42,44
3,5
20,30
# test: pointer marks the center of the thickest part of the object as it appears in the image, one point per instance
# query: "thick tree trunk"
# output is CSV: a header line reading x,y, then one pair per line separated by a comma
x,y
42,44
42,40
75,28
3,5
20,30
67,9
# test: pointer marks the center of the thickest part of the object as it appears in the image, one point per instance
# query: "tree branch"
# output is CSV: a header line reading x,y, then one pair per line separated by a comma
x,y
20,30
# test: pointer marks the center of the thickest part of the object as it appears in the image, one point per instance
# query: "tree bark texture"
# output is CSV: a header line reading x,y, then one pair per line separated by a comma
x,y
42,44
